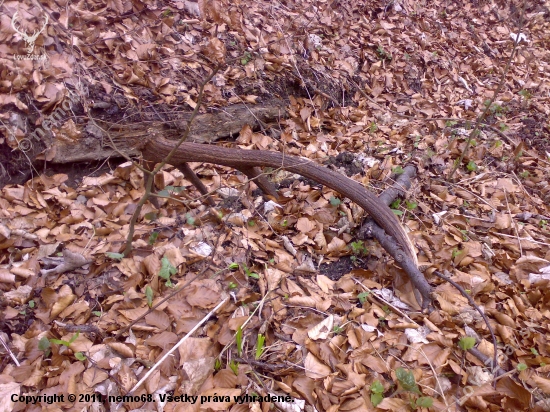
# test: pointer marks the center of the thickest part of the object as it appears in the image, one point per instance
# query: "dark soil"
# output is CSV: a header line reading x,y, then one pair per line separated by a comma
x,y
347,161
335,270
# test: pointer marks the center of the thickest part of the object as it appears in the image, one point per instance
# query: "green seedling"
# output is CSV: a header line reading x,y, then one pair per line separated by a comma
x,y
167,270
234,366
526,94
42,344
410,205
471,166
239,339
149,294
373,128
363,297
334,201
358,248
260,346
246,58
395,204
249,273
114,256
398,170
377,393
466,343
153,238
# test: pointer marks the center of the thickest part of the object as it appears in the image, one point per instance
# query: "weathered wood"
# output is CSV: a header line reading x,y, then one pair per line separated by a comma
x,y
218,124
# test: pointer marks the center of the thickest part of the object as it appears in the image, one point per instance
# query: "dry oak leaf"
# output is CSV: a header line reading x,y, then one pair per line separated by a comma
x,y
6,391
315,369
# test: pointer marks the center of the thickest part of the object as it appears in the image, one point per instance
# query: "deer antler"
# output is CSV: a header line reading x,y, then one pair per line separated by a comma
x,y
29,40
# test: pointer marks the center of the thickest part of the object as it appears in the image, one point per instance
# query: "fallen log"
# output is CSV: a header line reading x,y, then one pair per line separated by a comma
x,y
248,161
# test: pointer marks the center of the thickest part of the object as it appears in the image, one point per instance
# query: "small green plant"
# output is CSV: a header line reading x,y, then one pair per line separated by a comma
x,y
496,109
246,58
525,174
534,352
450,123
190,220
151,216
422,402
455,252
234,366
383,54
373,128
251,223
45,346
363,297
42,344
395,204
217,364
502,127
410,205
167,270
115,256
398,170
249,273
232,285
377,393
358,248
153,237
543,223
471,166
521,366
284,223
526,94
239,339
149,296
337,329
334,201
466,343
260,346
417,141
407,380
233,266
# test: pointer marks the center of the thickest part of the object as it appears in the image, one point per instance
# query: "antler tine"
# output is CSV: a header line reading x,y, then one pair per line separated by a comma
x,y
25,36
13,19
